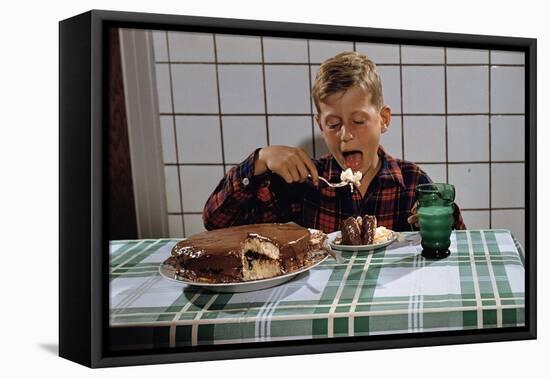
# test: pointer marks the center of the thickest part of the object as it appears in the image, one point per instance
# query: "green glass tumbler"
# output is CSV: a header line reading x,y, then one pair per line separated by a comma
x,y
435,216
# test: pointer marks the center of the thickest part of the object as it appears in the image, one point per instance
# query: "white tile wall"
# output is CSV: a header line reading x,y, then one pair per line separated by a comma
x,y
437,172
191,47
391,86
197,182
476,219
285,50
422,55
508,184
238,48
242,135
379,53
507,57
513,220
319,51
162,75
467,56
199,139
160,46
175,226
194,87
287,89
193,223
168,139
391,139
507,89
173,202
241,89
468,138
471,182
424,138
423,89
200,76
468,89
291,131
508,138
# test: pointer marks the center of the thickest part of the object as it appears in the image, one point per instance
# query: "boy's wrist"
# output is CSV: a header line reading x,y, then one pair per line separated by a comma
x,y
260,167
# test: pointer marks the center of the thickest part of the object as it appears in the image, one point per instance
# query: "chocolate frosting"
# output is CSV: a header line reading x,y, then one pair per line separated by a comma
x,y
216,256
228,240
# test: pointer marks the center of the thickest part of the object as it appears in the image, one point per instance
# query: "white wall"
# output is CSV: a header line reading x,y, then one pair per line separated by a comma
x,y
458,113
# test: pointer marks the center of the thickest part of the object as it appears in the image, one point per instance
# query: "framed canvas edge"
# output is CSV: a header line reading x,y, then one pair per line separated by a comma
x,y
92,328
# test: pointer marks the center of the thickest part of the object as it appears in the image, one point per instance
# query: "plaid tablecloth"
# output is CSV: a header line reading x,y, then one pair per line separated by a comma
x,y
392,290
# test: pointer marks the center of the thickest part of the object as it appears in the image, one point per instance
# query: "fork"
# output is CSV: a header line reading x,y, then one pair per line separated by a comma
x,y
339,185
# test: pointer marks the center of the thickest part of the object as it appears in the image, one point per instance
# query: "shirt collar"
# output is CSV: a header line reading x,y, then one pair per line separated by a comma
x,y
388,175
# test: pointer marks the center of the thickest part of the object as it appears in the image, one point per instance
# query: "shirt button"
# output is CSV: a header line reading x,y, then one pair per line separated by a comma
x,y
246,181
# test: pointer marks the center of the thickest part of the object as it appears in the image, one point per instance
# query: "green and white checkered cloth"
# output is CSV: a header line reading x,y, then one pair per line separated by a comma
x,y
387,291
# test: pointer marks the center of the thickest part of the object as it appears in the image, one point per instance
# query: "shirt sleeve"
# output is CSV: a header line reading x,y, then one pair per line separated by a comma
x,y
242,198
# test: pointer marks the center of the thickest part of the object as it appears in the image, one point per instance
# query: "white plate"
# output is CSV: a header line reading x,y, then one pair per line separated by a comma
x,y
168,272
359,248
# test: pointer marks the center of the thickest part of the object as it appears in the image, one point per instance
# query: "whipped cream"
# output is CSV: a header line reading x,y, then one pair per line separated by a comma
x,y
352,178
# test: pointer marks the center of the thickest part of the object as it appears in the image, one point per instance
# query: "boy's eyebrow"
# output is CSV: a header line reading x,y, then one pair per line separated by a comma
x,y
325,116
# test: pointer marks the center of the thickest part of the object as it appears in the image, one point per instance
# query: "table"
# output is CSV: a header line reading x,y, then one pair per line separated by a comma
x,y
387,291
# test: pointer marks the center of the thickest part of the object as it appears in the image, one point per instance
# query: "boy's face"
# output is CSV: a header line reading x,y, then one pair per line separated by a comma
x,y
351,127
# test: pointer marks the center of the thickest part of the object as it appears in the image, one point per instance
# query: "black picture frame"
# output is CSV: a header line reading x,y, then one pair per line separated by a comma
x,y
83,281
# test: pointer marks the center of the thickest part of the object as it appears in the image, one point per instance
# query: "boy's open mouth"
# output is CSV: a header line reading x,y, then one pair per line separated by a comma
x,y
353,159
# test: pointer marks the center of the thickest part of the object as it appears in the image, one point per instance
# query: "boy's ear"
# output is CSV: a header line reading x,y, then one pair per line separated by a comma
x,y
385,114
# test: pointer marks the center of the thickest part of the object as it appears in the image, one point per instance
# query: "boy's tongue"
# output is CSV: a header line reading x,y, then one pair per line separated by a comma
x,y
354,160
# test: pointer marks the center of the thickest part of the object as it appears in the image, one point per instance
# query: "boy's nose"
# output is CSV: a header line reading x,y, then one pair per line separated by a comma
x,y
345,134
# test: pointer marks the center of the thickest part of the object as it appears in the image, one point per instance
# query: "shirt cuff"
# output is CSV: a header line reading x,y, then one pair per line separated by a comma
x,y
244,178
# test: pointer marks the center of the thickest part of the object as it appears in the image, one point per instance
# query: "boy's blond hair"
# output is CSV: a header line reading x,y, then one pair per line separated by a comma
x,y
344,71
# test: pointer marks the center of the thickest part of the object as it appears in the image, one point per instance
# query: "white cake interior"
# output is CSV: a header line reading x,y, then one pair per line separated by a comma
x,y
260,258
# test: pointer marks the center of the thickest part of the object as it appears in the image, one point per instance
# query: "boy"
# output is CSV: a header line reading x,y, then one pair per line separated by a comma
x,y
281,183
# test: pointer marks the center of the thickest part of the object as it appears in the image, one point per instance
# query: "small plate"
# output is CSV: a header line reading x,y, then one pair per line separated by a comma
x,y
168,272
359,248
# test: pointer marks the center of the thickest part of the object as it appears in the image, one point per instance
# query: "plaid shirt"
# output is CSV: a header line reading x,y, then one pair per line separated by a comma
x,y
242,198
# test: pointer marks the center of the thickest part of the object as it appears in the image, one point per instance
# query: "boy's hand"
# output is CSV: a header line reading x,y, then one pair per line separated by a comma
x,y
413,218
291,163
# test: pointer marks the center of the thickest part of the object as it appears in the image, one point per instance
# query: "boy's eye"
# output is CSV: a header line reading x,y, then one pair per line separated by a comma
x,y
333,126
359,122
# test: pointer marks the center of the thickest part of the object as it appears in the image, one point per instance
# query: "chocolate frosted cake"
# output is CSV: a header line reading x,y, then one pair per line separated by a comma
x,y
358,231
245,253
351,231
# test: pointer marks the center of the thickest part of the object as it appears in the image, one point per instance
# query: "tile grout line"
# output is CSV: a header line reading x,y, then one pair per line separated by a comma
x,y
175,138
490,141
180,62
310,114
446,118
401,103
310,99
266,113
418,162
462,209
219,101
